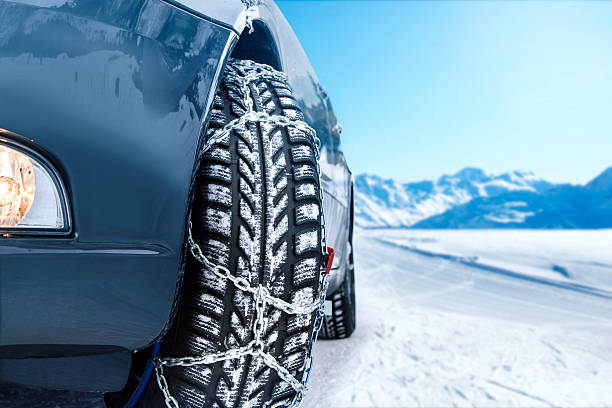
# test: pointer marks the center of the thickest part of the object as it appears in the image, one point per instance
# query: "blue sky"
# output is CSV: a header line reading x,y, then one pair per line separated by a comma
x,y
424,88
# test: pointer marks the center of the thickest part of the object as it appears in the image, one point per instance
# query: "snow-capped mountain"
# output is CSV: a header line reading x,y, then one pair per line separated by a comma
x,y
473,199
603,182
387,203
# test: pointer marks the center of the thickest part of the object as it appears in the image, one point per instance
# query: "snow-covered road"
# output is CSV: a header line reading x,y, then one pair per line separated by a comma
x,y
435,331
443,324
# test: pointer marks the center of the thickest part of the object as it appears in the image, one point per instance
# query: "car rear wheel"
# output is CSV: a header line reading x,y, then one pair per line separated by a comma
x,y
340,322
256,214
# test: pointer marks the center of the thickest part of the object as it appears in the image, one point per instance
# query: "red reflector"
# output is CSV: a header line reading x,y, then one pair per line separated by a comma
x,y
329,259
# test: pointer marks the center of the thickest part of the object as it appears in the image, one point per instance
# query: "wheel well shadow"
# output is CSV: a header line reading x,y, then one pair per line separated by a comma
x,y
258,45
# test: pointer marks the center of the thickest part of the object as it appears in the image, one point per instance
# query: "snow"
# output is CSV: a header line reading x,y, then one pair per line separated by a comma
x,y
507,213
307,212
515,185
584,255
460,317
304,190
474,318
306,241
219,221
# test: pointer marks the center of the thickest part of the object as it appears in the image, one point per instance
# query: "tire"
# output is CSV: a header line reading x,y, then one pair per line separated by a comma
x,y
256,212
341,323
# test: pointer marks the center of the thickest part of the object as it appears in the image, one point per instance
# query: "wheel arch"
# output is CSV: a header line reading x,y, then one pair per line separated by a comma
x,y
257,44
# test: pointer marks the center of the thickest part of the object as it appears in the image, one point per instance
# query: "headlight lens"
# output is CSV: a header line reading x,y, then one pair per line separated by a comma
x,y
31,197
17,186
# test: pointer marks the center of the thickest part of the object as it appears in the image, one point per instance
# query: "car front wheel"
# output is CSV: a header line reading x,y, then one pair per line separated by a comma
x,y
245,322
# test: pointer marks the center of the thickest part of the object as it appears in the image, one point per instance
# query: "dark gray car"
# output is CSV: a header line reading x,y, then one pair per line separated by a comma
x,y
164,203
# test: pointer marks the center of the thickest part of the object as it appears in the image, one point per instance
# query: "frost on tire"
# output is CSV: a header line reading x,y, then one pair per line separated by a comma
x,y
256,215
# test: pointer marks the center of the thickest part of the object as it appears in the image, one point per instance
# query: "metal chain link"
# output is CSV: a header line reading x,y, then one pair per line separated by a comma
x,y
260,294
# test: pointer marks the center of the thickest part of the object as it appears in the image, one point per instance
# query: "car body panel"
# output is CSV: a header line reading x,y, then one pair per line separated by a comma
x,y
90,372
115,93
119,102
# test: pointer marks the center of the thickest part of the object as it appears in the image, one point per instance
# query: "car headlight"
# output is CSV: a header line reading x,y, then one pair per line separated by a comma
x,y
32,197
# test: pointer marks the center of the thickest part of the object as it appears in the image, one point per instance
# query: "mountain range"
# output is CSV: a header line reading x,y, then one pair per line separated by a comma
x,y
471,198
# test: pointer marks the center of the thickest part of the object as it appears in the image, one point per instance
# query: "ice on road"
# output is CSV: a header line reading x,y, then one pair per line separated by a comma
x,y
433,331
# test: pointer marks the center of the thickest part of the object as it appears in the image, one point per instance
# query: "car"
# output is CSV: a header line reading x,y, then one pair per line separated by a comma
x,y
172,183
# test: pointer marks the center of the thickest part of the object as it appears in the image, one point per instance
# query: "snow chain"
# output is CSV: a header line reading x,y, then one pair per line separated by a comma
x,y
260,294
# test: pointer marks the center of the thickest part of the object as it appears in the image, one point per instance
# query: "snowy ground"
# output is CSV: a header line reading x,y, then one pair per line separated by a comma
x,y
570,256
440,330
485,318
